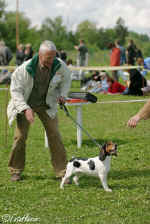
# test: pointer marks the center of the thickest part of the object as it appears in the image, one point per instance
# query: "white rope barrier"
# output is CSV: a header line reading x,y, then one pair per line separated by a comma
x,y
87,68
101,68
122,101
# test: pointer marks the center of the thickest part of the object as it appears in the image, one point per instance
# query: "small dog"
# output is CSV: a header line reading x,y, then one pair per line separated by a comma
x,y
98,166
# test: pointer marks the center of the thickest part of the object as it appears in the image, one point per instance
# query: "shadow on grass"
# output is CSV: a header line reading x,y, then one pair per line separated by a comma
x,y
94,182
126,174
90,143
35,177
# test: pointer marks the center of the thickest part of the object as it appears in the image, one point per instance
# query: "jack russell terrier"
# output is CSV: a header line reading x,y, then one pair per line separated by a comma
x,y
98,166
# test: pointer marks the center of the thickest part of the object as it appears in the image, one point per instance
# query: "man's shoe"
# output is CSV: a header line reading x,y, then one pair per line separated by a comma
x,y
15,177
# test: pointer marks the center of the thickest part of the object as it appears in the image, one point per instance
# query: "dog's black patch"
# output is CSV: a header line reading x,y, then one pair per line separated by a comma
x,y
78,158
91,165
76,164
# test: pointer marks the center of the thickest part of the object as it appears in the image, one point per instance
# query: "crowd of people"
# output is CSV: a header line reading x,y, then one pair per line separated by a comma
x,y
133,82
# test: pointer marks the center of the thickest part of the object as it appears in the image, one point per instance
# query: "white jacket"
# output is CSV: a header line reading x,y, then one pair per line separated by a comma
x,y
22,84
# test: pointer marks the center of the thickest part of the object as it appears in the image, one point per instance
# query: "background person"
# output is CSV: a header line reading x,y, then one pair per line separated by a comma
x,y
137,82
63,55
28,52
82,49
114,87
145,63
20,54
122,52
114,59
5,54
36,87
131,52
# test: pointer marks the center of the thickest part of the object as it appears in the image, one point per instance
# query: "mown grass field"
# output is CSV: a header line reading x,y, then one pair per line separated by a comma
x,y
38,196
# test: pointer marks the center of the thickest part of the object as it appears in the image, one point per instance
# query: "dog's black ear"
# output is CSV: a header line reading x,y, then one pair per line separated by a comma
x,y
102,154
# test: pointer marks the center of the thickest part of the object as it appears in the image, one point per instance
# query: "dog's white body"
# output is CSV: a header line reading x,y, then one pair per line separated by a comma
x,y
101,170
98,166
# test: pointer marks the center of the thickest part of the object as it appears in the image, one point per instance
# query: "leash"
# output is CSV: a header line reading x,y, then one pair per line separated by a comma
x,y
63,107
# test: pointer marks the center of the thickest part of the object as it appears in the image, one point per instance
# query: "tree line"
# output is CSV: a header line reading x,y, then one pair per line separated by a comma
x,y
54,29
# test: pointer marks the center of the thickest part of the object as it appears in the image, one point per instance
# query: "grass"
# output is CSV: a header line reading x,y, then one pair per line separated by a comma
x,y
38,195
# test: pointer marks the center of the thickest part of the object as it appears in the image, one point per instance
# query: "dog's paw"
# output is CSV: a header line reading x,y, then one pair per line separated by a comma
x,y
108,190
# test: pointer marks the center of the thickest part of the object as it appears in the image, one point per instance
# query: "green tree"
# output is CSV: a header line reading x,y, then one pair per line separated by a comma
x,y
121,30
2,7
105,36
26,33
2,13
87,30
55,31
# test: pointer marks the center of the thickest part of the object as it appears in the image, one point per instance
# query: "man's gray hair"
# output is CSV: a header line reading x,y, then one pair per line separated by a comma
x,y
47,45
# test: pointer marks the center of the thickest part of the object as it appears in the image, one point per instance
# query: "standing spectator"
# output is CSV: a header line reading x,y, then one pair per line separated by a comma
x,y
114,59
122,52
131,52
121,73
83,51
5,54
82,58
63,55
28,52
20,54
36,87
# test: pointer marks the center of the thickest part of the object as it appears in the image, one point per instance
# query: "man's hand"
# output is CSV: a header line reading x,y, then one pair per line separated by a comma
x,y
61,100
29,114
133,121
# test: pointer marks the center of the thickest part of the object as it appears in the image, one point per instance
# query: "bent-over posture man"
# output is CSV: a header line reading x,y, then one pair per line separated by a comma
x,y
36,87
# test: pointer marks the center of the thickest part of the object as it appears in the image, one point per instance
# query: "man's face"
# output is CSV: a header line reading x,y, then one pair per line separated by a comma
x,y
46,58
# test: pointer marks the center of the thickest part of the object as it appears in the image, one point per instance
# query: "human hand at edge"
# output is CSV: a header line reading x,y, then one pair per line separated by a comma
x,y
132,122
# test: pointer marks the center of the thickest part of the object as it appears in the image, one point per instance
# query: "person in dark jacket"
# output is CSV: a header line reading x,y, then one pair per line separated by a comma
x,y
63,55
131,52
137,81
5,54
28,52
20,54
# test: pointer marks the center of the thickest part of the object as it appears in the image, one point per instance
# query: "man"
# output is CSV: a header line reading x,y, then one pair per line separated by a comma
x,y
143,114
114,59
82,58
83,51
131,52
36,87
122,52
5,54
63,55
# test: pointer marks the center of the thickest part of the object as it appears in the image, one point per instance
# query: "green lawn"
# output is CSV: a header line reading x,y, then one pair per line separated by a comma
x,y
39,197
